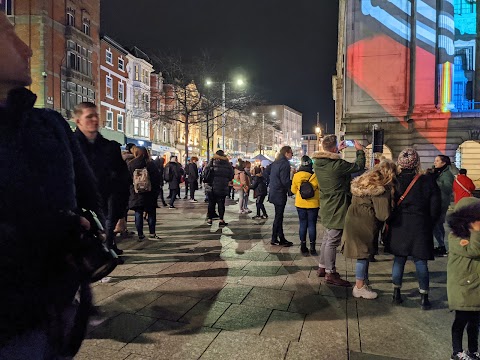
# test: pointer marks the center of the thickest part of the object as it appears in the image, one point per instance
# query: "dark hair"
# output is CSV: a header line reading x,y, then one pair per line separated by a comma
x,y
129,147
257,170
460,220
329,142
240,165
141,151
286,149
462,171
78,109
445,159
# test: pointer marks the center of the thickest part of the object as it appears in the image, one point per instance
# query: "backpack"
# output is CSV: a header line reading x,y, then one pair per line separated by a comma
x,y
141,181
166,173
208,174
306,189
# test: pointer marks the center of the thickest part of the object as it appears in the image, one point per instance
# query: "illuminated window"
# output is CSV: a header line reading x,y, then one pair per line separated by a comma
x,y
137,75
135,126
109,121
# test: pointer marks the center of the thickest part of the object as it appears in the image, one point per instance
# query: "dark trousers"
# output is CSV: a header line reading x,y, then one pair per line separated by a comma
x,y
470,319
152,220
308,220
160,195
214,200
192,191
110,223
277,229
173,195
260,206
231,192
186,189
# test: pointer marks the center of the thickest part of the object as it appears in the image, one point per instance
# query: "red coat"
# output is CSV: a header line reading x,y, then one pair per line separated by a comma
x,y
458,191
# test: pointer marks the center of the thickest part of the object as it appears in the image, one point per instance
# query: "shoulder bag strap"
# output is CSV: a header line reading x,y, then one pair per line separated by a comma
x,y
408,189
463,187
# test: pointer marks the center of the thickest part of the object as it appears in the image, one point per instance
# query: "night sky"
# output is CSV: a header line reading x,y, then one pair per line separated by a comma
x,y
286,49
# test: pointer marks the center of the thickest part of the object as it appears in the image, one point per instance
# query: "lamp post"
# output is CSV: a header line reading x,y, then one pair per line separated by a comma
x,y
318,132
272,113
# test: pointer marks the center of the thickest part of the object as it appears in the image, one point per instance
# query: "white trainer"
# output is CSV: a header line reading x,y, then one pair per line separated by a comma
x,y
364,292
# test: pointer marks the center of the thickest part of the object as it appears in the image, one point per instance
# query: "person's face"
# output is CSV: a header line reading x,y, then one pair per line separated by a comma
x,y
438,163
87,122
289,155
14,61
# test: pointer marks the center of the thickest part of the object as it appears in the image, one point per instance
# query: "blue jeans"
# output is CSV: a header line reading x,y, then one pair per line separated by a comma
x,y
423,276
439,231
308,220
361,269
152,219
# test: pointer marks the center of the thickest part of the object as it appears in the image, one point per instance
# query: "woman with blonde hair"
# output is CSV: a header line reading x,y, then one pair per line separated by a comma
x,y
372,204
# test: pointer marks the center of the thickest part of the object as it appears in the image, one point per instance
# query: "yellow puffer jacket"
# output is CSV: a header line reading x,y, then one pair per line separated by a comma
x,y
297,180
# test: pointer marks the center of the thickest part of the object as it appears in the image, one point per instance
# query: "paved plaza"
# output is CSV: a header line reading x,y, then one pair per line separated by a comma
x,y
206,292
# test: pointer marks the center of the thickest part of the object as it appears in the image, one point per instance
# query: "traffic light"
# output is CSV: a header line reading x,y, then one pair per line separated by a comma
x,y
378,141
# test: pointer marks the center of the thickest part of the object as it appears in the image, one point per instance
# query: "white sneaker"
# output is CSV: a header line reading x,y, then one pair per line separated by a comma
x,y
365,292
241,212
193,201
461,356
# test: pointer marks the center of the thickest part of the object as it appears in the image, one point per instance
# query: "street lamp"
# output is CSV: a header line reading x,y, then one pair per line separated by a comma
x,y
273,114
318,132
238,82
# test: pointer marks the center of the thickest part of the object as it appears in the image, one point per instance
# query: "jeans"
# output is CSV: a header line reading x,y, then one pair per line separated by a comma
x,y
422,273
186,188
214,200
361,269
241,199
277,229
328,251
308,220
152,219
245,200
173,195
260,206
470,319
439,231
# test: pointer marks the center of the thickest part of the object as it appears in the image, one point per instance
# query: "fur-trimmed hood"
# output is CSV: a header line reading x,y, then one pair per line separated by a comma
x,y
218,157
326,155
361,186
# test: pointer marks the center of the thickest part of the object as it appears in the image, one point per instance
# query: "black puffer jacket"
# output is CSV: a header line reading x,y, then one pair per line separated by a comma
x,y
192,175
411,224
259,186
146,200
279,181
173,174
160,163
222,175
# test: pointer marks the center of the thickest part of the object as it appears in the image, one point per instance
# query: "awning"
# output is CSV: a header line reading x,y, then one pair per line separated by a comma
x,y
113,135
162,149
138,142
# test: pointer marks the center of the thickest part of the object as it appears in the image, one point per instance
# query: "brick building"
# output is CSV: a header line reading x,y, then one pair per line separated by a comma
x,y
113,88
64,37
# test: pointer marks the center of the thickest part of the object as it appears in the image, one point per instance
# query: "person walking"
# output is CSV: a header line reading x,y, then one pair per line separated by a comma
x,y
259,187
307,208
334,176
463,186
160,164
144,201
217,175
372,202
463,282
444,178
417,199
280,184
192,177
173,175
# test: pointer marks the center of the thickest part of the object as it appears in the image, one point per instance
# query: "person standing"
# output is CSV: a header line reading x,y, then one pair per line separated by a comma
x,y
160,163
462,276
246,192
279,189
411,223
463,186
192,177
307,209
259,187
217,176
144,201
240,183
173,174
372,203
186,179
444,177
334,176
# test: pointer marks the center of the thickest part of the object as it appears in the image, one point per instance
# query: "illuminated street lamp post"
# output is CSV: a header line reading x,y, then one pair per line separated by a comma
x,y
273,113
318,131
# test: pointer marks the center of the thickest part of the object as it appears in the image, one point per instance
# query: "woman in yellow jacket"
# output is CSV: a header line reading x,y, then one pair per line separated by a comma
x,y
307,208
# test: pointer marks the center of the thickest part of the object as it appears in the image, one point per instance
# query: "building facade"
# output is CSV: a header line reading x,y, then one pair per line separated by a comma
x,y
310,144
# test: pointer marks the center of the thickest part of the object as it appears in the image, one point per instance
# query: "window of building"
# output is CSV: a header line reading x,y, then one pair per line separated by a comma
x,y
109,88
121,92
135,126
71,45
109,120
71,17
147,103
86,27
120,122
7,7
109,57
121,64
137,75
79,99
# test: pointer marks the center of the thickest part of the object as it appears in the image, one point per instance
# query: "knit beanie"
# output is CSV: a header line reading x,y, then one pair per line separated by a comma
x,y
220,153
408,159
305,161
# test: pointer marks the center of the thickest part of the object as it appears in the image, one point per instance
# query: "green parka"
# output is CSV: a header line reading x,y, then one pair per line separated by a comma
x,y
334,175
463,269
445,183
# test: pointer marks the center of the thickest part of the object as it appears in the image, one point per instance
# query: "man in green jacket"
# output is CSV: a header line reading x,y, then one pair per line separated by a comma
x,y
334,175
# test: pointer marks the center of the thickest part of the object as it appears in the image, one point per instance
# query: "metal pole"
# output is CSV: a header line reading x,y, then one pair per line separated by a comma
x,y
372,158
263,133
224,117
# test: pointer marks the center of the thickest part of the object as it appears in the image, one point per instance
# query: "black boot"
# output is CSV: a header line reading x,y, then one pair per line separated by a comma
x,y
397,298
303,249
424,302
313,252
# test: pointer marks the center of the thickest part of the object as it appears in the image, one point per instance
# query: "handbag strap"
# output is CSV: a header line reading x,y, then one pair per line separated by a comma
x,y
408,189
463,187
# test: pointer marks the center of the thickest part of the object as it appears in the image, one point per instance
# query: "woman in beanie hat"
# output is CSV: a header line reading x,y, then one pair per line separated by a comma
x,y
463,279
411,223
307,208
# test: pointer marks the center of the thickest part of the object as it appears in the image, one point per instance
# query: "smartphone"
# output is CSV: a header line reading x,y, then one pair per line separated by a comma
x,y
349,143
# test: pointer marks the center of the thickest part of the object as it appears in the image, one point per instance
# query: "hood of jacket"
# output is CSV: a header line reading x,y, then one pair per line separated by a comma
x,y
362,186
326,155
218,157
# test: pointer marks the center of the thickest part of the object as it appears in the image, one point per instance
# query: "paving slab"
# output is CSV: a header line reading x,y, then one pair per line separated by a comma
x,y
283,325
205,313
243,318
269,298
233,293
169,307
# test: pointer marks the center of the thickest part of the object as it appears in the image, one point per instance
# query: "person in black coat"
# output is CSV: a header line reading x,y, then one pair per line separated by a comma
x,y
279,184
411,223
192,177
259,187
145,201
160,163
173,175
216,185
105,159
